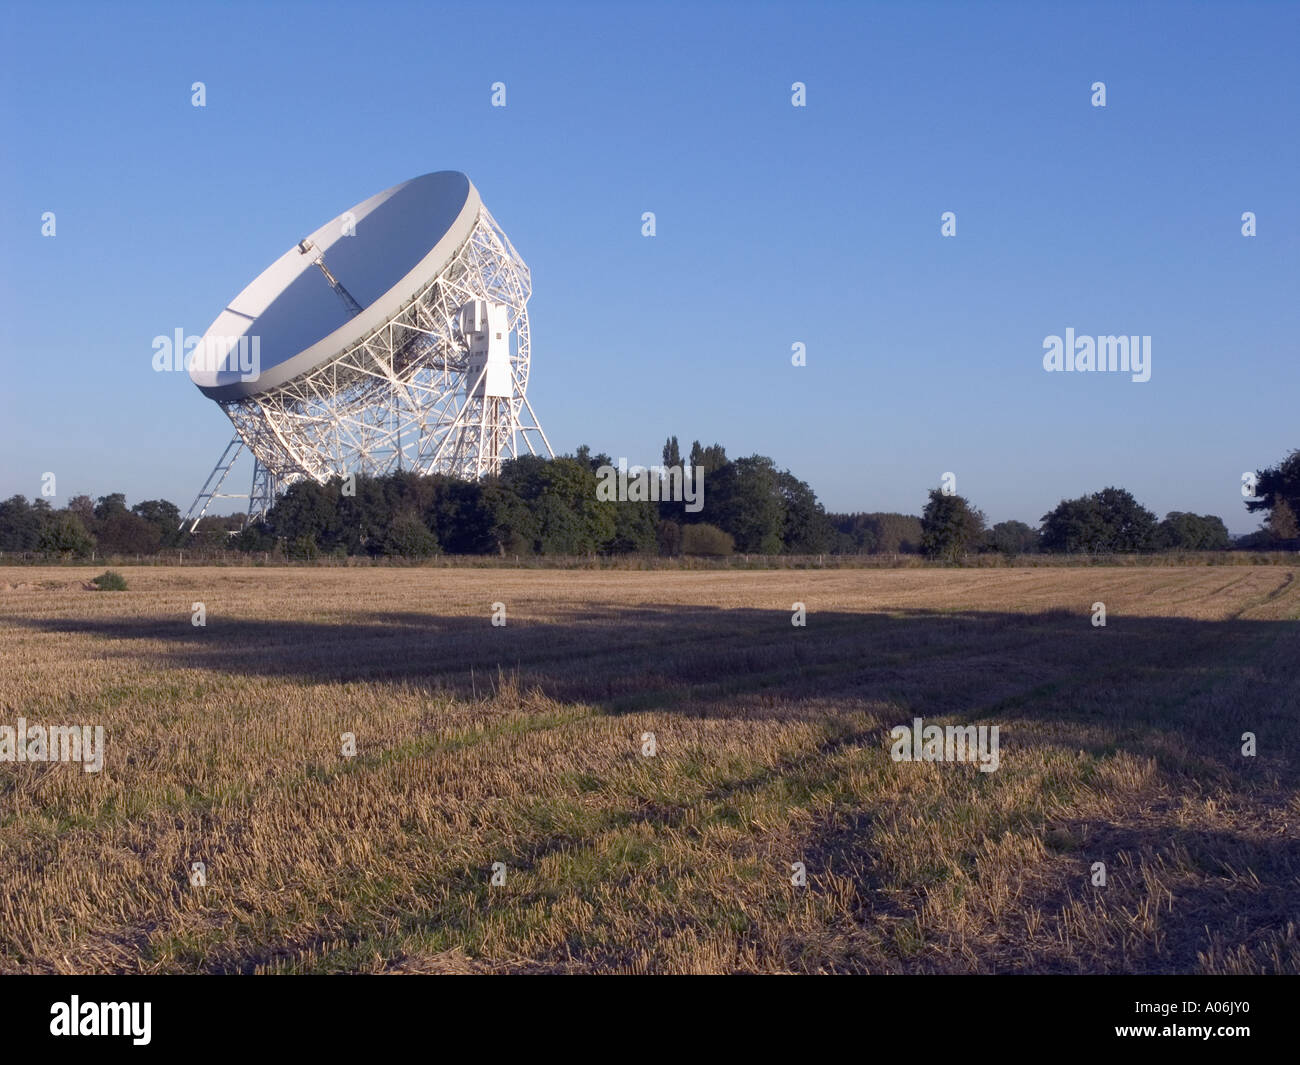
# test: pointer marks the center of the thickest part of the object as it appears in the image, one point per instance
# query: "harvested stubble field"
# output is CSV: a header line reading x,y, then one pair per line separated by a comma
x,y
522,745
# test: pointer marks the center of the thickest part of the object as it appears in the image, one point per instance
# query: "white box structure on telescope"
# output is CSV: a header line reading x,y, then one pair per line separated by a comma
x,y
487,328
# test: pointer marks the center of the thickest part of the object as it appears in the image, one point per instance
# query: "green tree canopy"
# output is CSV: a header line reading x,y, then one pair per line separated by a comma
x,y
855,534
165,515
1106,521
950,527
20,524
1013,538
1192,532
701,538
408,537
744,499
124,533
1278,484
64,534
877,534
805,529
106,506
1282,523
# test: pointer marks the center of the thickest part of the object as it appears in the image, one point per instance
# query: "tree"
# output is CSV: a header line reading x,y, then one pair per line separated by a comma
x,y
876,534
806,530
20,525
1074,525
304,547
673,510
406,492
514,529
712,458
463,518
122,533
559,529
950,527
596,461
855,534
634,529
895,533
1012,538
704,539
1106,521
65,535
165,515
672,454
1281,521
308,510
1131,527
560,494
363,517
110,505
571,519
744,499
525,477
708,466
1192,532
255,536
409,537
1278,484
84,508
669,535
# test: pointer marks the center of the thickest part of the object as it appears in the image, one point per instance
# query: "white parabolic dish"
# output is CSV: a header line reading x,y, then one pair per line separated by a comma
x,y
403,236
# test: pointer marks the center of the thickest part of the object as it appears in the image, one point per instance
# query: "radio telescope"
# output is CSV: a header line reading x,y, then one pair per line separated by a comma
x,y
394,337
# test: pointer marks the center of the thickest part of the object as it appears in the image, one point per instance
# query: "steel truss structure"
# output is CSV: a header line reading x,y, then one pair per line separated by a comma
x,y
400,397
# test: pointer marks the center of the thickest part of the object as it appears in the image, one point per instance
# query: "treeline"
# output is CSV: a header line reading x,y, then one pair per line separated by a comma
x,y
105,525
1111,521
562,506
876,534
1107,522
951,526
550,507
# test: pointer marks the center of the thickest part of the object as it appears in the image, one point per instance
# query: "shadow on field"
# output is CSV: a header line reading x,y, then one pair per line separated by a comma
x,y
1234,885
1198,683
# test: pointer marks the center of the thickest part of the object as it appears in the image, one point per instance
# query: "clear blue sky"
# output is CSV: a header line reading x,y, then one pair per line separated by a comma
x,y
775,225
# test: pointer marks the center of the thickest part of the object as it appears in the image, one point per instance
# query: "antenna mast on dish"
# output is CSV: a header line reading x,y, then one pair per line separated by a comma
x,y
307,247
